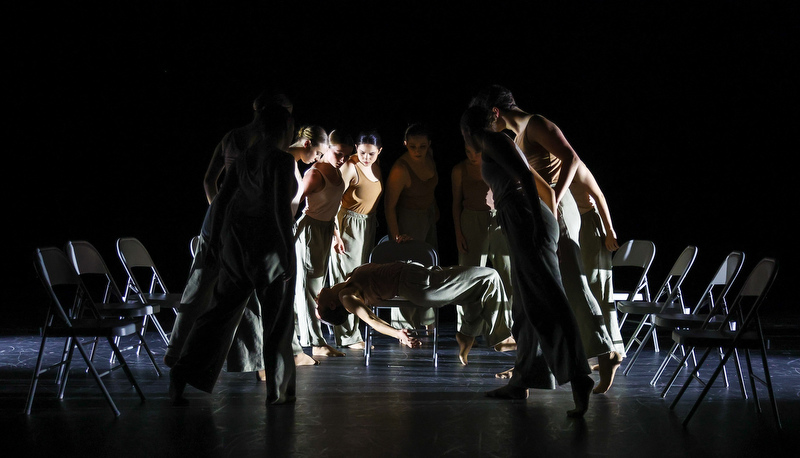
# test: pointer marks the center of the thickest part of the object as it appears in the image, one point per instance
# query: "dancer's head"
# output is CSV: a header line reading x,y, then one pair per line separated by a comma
x,y
474,122
330,308
368,147
495,96
417,140
277,121
314,140
340,147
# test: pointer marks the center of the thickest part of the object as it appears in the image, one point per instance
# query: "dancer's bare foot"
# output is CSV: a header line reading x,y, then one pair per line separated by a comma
x,y
325,350
581,390
464,346
595,367
303,359
506,345
357,346
508,392
607,366
504,374
261,376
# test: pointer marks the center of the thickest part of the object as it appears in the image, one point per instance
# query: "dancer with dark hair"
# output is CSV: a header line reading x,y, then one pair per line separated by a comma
x,y
549,347
410,207
480,240
549,153
323,187
478,289
251,230
357,223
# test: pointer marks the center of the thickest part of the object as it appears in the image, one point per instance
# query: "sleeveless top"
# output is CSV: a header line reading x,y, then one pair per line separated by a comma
x,y
377,282
473,191
420,195
362,197
324,205
238,140
546,164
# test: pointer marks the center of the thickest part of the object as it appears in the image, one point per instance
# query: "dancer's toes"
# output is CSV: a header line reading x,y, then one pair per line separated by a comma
x,y
357,346
326,350
261,376
508,392
608,365
581,390
464,346
504,374
303,359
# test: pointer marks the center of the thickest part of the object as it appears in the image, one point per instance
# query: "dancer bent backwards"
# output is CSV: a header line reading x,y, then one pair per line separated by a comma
x,y
478,290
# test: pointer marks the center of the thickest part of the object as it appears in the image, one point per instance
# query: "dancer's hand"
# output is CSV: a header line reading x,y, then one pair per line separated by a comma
x,y
408,340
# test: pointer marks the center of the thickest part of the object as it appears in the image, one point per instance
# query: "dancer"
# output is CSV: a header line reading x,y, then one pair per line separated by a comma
x,y
323,187
549,347
245,354
598,240
480,239
357,223
478,289
251,230
410,207
549,153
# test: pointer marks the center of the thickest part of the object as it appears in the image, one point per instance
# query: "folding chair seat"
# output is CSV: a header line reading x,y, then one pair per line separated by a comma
x,y
668,299
135,258
712,306
741,329
91,267
633,256
389,251
66,317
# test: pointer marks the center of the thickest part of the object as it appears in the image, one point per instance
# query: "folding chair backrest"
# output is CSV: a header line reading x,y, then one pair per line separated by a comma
x,y
56,273
636,253
721,283
413,250
87,261
670,290
753,292
133,256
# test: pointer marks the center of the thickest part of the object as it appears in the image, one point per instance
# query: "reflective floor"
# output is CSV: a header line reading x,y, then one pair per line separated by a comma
x,y
401,405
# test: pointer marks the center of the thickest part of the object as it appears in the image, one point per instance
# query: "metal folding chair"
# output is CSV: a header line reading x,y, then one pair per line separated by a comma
x,y
668,299
711,305
741,329
66,317
390,251
638,255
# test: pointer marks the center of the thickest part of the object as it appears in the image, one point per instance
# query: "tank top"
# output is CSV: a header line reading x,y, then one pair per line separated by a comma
x,y
473,190
362,197
546,164
420,195
377,282
324,205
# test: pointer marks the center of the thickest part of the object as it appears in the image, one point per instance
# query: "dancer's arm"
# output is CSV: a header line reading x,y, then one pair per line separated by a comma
x,y
354,304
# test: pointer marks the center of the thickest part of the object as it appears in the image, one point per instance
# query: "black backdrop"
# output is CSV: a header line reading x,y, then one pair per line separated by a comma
x,y
683,112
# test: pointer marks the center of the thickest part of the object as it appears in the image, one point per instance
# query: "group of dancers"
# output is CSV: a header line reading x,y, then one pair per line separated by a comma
x,y
262,282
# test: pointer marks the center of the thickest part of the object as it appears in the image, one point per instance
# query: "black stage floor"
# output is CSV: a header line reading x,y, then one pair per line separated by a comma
x,y
398,406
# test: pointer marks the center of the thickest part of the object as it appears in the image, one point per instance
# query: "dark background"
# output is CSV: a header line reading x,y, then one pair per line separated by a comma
x,y
684,113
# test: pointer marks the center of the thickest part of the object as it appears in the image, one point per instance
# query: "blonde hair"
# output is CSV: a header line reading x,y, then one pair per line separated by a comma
x,y
315,134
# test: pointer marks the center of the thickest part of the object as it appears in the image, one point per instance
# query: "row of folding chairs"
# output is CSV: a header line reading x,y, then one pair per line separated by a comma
x,y
713,322
86,303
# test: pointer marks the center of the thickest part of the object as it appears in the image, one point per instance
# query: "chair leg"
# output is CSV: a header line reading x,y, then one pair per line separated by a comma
x,y
125,368
708,385
66,366
692,376
738,364
35,378
670,356
639,349
436,337
150,354
678,369
97,379
768,382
